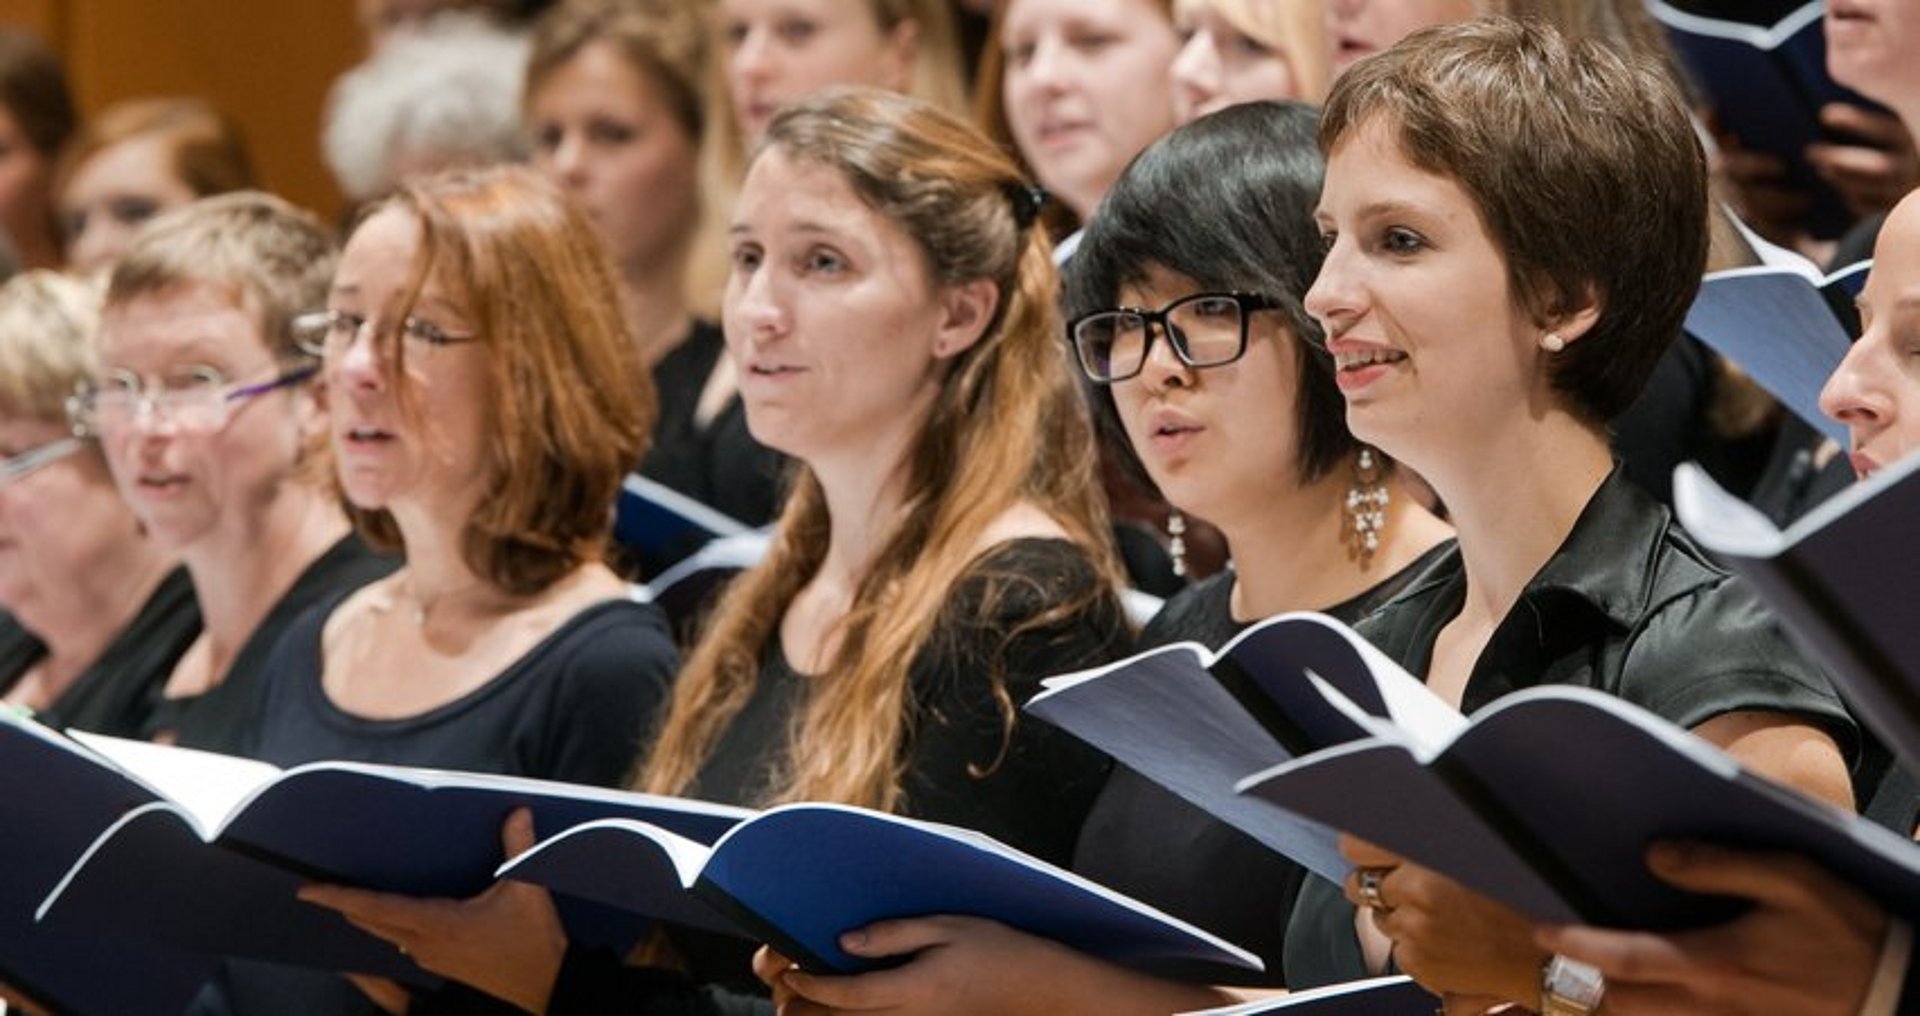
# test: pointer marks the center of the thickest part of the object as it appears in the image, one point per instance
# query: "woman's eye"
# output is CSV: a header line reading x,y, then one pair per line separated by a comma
x,y
1019,55
546,137
747,258
1401,241
608,132
824,261
796,31
735,34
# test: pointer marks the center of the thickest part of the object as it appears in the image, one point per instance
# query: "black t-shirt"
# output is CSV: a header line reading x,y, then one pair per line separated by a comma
x,y
1147,842
1627,605
222,719
575,707
1034,798
717,463
115,695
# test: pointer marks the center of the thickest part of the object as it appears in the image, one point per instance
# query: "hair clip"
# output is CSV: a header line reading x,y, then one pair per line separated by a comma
x,y
1027,201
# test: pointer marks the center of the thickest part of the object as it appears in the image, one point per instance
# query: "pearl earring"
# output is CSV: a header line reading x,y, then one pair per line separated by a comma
x,y
1552,342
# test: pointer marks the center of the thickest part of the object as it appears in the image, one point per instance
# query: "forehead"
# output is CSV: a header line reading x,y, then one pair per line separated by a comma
x,y
195,322
783,189
1033,15
821,10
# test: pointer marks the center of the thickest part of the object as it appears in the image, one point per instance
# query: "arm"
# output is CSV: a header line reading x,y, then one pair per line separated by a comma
x,y
965,965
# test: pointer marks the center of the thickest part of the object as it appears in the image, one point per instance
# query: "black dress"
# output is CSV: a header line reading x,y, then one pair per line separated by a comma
x,y
1147,842
717,463
1627,605
222,719
1034,798
115,695
575,708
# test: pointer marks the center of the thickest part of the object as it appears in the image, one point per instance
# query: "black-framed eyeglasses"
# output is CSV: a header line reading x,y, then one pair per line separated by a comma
x,y
192,398
1204,329
329,333
18,467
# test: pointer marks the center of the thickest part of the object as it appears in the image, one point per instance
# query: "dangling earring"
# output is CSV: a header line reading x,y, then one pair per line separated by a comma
x,y
1176,542
1552,342
1364,515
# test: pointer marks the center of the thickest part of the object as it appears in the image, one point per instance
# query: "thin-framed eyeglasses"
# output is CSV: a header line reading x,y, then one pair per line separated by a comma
x,y
330,333
193,398
1204,329
15,468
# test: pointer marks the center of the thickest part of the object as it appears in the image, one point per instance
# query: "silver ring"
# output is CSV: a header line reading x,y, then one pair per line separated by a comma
x,y
1370,879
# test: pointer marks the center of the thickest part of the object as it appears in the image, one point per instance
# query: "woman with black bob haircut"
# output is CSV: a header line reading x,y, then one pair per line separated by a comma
x,y
1186,319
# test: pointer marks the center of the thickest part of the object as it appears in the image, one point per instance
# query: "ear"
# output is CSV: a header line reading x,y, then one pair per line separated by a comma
x,y
1576,317
965,312
899,52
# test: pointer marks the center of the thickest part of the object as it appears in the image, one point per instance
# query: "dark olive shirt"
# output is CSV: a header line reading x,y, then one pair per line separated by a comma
x,y
1627,605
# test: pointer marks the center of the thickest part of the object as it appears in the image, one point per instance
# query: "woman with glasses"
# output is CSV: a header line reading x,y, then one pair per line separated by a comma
x,y
486,398
103,612
1516,224
891,311
204,406
1188,321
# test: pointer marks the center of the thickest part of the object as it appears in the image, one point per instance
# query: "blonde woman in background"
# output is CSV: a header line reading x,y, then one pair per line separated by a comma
x,y
767,53
135,160
1242,50
617,119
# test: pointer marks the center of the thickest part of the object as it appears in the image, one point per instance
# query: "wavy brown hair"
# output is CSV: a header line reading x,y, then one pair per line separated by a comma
x,y
571,407
1007,427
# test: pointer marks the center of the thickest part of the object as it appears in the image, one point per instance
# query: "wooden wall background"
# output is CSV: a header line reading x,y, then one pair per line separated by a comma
x,y
267,63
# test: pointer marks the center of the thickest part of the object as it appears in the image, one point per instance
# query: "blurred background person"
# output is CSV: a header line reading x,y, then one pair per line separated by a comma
x,y
1242,50
446,93
614,109
766,53
37,116
136,159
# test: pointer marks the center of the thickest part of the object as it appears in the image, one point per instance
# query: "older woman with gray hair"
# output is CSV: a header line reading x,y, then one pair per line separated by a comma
x,y
444,94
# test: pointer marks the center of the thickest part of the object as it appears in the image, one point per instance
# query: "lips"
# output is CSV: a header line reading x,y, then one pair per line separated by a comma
x,y
1863,464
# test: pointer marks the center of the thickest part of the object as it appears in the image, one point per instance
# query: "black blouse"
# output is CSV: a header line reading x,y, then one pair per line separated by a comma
x,y
1627,605
1147,842
717,463
115,695
1034,798
222,719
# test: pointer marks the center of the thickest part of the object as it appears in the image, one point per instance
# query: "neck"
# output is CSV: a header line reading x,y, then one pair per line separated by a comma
x,y
1289,555
436,575
1516,499
656,304
93,607
239,576
864,507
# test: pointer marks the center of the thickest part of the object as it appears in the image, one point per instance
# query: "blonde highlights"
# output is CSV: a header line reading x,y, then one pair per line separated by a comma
x,y
1008,426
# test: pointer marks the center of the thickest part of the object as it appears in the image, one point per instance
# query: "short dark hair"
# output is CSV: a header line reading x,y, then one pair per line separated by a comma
x,y
33,87
1585,170
1226,201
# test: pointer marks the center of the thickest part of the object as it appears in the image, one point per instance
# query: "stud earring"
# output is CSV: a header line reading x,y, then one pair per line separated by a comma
x,y
1552,342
